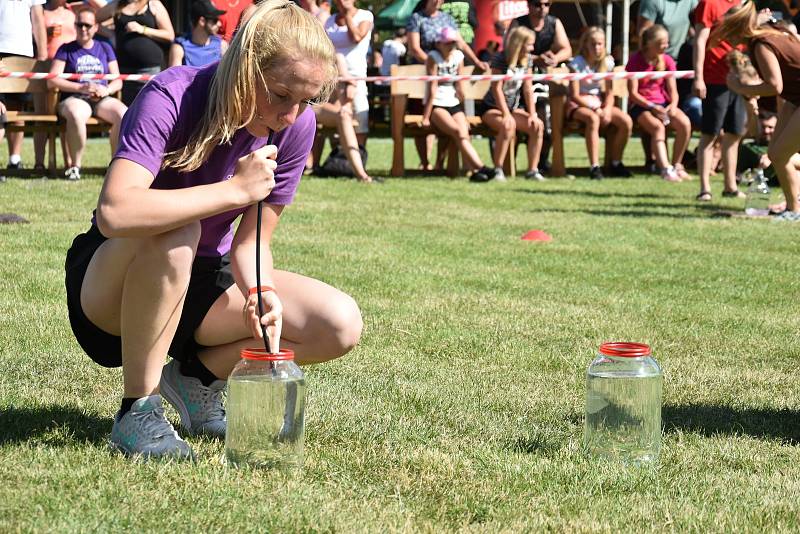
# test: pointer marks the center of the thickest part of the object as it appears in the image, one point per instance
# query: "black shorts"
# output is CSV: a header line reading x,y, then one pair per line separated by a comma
x,y
92,103
452,110
634,111
211,277
722,110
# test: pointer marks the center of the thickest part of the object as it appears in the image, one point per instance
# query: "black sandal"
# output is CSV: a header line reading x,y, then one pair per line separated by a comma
x,y
733,194
704,196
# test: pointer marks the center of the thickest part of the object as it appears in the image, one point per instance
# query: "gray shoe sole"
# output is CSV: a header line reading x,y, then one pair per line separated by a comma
x,y
172,397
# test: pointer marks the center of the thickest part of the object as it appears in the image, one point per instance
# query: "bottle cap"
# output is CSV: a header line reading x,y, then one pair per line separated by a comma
x,y
261,354
625,350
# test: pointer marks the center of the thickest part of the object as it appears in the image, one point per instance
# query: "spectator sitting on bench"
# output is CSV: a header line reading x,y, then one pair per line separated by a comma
x,y
202,45
444,102
81,100
592,103
503,111
654,103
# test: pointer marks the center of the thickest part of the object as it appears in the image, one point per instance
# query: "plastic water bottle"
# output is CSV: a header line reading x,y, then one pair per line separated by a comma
x,y
266,411
623,404
758,195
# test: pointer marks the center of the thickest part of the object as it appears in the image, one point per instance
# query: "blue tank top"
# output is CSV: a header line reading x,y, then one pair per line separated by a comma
x,y
196,55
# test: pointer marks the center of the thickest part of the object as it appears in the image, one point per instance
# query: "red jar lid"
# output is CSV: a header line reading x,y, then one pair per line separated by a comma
x,y
261,354
625,350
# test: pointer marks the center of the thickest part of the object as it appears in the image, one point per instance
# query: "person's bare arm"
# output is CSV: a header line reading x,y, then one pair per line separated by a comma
x,y
244,272
106,12
642,24
432,70
63,85
164,31
414,47
175,55
470,53
561,48
358,31
699,53
577,97
39,32
128,207
114,85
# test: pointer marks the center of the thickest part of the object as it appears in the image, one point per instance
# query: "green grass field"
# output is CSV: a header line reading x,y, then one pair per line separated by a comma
x,y
462,408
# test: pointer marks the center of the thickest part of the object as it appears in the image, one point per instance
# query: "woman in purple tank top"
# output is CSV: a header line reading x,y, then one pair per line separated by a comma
x,y
165,270
776,57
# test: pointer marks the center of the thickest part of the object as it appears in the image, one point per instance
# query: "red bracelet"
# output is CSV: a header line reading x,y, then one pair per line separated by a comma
x,y
262,289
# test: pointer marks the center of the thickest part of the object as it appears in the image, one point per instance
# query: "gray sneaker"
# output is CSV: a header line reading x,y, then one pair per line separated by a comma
x,y
200,407
144,431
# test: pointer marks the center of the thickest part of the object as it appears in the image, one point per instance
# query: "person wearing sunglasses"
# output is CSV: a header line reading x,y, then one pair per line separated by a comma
x,y
81,100
552,44
202,45
165,269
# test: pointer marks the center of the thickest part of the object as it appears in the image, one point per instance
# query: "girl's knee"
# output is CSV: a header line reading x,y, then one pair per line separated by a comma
x,y
344,326
177,246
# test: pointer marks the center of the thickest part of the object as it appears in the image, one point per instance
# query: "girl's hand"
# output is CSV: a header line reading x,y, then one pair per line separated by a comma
x,y
426,122
272,319
348,93
134,27
508,120
658,111
255,174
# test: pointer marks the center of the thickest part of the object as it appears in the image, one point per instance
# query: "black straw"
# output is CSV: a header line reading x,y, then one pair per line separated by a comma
x,y
258,268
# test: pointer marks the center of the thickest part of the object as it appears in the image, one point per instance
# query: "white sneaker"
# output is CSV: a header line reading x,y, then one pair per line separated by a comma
x,y
499,175
670,174
73,174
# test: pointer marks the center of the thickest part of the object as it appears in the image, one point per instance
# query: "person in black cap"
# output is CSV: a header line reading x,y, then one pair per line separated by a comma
x,y
202,45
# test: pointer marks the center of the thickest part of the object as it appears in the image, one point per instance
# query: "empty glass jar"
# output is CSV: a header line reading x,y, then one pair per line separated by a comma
x,y
266,411
623,403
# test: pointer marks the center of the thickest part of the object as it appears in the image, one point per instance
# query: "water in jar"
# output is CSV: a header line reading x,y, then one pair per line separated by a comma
x,y
623,415
265,422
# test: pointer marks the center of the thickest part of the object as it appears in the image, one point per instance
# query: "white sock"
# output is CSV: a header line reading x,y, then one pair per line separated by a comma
x,y
14,159
615,162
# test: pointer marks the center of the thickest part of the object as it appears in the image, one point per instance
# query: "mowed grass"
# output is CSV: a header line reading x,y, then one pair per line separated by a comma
x,y
462,407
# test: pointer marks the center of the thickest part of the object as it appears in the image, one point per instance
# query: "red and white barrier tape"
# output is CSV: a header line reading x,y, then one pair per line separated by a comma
x,y
560,77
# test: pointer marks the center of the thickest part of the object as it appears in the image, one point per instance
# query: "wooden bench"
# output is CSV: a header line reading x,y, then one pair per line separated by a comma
x,y
49,122
405,125
27,121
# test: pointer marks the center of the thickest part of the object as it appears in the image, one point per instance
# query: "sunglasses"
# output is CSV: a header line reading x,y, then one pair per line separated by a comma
x,y
212,21
83,25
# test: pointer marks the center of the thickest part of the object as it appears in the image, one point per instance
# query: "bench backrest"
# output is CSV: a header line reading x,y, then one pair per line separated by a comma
x,y
23,85
416,88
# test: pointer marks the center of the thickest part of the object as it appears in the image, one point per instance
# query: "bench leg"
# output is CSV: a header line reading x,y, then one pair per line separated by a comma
x,y
557,104
398,122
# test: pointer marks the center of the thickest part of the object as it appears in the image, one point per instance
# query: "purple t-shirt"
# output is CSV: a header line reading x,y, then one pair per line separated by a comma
x,y
92,60
164,116
654,91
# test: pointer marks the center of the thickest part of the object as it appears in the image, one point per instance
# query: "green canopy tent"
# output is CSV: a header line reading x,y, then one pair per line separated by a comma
x,y
395,15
